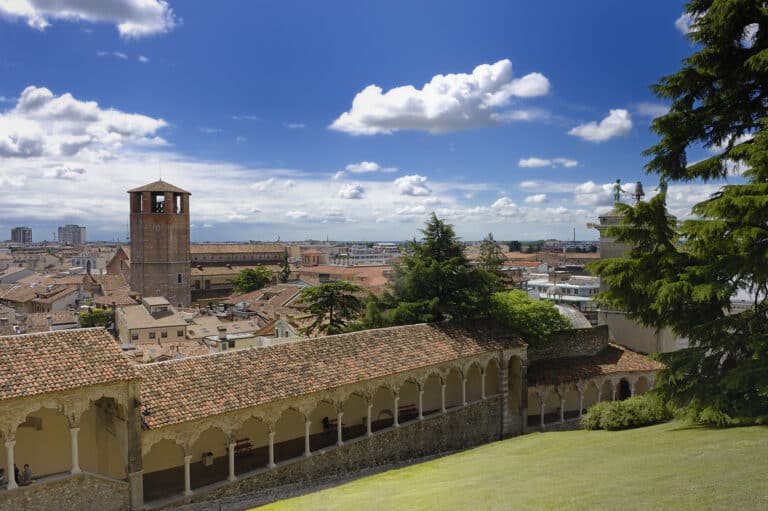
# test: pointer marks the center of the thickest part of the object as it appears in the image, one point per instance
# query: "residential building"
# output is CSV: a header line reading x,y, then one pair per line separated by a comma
x,y
154,320
21,235
72,234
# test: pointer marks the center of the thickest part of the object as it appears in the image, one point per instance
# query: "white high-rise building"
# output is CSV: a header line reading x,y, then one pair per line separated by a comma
x,y
71,234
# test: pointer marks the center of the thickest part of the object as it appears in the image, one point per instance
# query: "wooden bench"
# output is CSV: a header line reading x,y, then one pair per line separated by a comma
x,y
242,446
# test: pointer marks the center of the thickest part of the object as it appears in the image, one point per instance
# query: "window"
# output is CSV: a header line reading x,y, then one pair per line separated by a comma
x,y
164,335
151,335
179,333
178,278
158,202
134,336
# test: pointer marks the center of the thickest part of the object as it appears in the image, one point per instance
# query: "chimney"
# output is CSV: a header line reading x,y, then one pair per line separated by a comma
x,y
49,318
222,332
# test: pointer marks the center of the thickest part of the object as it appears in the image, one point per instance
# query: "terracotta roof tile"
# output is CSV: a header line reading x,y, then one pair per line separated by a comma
x,y
33,364
613,359
195,387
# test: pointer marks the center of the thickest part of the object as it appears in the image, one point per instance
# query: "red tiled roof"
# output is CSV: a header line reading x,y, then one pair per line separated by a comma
x,y
33,364
613,359
195,387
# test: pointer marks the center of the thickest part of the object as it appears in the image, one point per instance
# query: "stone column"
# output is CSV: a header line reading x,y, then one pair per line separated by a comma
x,y
581,402
339,429
134,461
442,398
541,410
231,461
482,385
463,390
503,386
562,409
632,387
73,432
524,398
613,392
271,449
368,431
396,411
187,480
307,425
421,404
9,474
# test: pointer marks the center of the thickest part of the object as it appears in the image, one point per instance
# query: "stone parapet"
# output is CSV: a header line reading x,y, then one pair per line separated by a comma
x,y
83,491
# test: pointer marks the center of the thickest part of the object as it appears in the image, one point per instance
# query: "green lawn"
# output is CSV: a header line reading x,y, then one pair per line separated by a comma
x,y
669,466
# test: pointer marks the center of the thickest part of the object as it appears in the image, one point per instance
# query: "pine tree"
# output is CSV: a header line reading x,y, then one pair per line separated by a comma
x,y
434,280
332,304
685,276
285,268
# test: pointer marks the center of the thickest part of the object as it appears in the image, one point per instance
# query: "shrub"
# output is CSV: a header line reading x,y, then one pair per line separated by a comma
x,y
632,413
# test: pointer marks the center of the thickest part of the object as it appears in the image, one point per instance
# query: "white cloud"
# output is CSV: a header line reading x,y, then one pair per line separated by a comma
x,y
208,131
593,194
652,110
134,18
411,211
529,115
272,185
245,118
414,185
447,103
684,23
750,34
240,139
142,59
338,175
120,55
297,214
352,191
368,166
722,146
534,162
295,125
65,172
44,124
539,198
505,207
618,122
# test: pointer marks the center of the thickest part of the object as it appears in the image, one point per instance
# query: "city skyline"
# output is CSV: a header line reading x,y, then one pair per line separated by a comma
x,y
341,121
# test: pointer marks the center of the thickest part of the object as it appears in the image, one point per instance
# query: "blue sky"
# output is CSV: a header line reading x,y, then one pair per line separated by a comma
x,y
268,112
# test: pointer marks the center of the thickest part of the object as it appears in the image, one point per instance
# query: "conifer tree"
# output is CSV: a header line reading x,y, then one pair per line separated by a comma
x,y
685,276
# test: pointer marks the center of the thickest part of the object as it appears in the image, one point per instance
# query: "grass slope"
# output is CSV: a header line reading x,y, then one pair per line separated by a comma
x,y
668,466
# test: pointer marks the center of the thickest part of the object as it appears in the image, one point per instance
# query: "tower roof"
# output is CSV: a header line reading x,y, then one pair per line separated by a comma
x,y
159,186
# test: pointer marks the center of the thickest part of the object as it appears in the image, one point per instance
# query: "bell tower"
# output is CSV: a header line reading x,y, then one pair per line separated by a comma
x,y
160,261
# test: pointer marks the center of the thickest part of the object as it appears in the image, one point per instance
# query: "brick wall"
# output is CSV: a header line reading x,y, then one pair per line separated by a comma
x,y
580,342
84,492
477,423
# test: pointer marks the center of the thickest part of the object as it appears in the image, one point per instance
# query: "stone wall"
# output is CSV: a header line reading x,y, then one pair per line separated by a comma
x,y
477,423
578,342
84,492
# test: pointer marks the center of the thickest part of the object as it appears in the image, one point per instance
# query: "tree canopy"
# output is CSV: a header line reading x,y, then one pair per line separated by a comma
x,y
96,317
251,279
685,276
434,281
332,304
533,320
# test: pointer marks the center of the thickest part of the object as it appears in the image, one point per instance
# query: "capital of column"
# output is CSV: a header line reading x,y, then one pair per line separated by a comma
x,y
188,458
10,443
